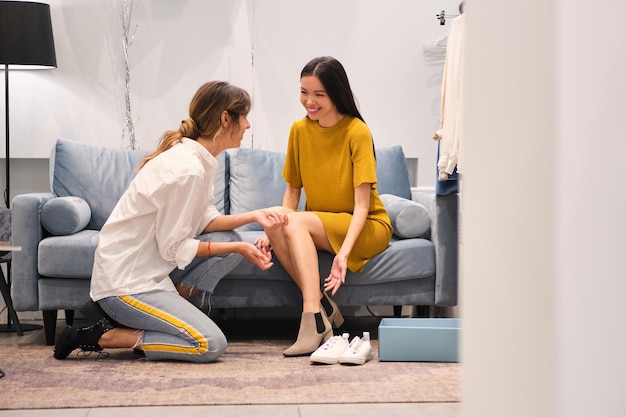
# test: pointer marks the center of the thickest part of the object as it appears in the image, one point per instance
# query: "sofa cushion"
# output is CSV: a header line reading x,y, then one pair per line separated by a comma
x,y
256,181
403,259
100,176
392,172
97,174
68,256
408,218
65,215
256,178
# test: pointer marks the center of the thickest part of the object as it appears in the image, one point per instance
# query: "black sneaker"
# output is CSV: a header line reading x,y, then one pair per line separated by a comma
x,y
86,338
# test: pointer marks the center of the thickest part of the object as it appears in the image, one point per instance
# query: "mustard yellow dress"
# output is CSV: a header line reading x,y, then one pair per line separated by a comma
x,y
328,163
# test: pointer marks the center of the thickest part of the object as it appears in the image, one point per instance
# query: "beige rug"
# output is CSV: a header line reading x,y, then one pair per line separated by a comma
x,y
250,372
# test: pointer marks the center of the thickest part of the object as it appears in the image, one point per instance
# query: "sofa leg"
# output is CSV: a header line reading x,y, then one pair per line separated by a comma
x,y
397,311
439,312
50,325
423,312
69,317
430,312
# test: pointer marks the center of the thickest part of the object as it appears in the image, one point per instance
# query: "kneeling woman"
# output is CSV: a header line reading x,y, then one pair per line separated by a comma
x,y
165,241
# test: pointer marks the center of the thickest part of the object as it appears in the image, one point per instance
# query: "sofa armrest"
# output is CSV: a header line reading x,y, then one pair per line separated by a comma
x,y
444,212
27,232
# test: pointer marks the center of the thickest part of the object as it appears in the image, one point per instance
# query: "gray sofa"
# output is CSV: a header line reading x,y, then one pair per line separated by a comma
x,y
58,233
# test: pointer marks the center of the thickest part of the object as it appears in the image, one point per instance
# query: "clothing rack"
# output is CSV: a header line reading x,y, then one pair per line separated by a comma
x,y
442,17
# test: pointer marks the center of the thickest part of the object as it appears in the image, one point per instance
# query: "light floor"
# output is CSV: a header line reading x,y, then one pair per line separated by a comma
x,y
300,410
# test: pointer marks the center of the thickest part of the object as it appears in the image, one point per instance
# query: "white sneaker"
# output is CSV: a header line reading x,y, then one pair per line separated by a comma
x,y
330,351
359,351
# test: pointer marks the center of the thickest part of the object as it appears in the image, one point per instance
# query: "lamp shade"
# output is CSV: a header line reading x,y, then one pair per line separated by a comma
x,y
26,35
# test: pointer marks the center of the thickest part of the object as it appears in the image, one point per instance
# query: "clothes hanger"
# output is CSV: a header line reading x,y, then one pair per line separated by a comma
x,y
436,47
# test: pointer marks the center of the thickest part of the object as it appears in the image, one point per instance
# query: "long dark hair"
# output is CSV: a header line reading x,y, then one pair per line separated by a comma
x,y
333,77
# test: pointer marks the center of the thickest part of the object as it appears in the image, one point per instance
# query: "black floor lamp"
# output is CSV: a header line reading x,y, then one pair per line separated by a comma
x,y
26,42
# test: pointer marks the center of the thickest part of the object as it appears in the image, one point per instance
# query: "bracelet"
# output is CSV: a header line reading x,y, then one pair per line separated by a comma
x,y
208,245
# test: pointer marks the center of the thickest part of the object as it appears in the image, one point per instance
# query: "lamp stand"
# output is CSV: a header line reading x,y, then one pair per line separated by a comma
x,y
7,164
6,286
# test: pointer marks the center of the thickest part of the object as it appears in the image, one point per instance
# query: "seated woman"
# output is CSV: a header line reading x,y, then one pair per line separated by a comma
x,y
331,156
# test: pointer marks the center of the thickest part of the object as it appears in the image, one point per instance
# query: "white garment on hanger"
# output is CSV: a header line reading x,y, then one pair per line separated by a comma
x,y
451,119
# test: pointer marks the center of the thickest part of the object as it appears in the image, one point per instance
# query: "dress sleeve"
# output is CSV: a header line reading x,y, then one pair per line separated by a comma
x,y
363,158
291,169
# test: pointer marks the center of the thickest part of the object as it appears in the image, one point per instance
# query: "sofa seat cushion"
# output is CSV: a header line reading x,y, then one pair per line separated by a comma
x,y
404,259
68,256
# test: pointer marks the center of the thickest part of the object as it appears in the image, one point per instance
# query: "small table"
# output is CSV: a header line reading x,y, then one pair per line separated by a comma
x,y
5,288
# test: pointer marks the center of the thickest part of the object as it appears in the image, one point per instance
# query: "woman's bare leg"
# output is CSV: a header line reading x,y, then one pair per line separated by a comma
x,y
296,246
280,248
121,338
296,249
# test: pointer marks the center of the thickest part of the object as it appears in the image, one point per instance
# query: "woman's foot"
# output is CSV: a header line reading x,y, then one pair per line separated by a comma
x,y
314,330
86,338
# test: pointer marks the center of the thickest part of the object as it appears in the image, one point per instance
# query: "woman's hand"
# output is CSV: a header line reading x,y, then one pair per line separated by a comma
x,y
271,219
337,274
260,257
263,243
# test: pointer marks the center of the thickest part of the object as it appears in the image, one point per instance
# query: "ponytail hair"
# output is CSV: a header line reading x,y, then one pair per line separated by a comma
x,y
205,111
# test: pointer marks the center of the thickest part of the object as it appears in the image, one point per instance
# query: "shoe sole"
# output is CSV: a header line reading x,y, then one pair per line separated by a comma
x,y
325,361
58,354
354,361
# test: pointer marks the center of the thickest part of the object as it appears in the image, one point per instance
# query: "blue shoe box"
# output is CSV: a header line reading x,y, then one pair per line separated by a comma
x,y
418,340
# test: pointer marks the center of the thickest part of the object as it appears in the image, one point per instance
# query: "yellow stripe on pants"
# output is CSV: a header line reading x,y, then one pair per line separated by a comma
x,y
203,344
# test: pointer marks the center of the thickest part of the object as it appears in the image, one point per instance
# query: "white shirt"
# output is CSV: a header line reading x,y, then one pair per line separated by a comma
x,y
152,229
452,113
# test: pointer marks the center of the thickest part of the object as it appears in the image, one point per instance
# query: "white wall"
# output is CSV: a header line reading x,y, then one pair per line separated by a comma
x,y
590,225
542,272
260,45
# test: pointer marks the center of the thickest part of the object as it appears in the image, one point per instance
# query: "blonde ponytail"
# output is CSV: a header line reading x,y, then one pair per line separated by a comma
x,y
205,113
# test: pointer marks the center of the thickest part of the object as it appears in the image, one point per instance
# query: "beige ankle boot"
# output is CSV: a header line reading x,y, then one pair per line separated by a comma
x,y
314,329
332,310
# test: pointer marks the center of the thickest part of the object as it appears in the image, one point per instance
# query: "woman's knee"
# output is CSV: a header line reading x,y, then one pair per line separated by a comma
x,y
216,346
297,226
282,209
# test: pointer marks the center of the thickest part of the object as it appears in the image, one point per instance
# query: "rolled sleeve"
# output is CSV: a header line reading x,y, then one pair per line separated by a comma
x,y
178,224
186,253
